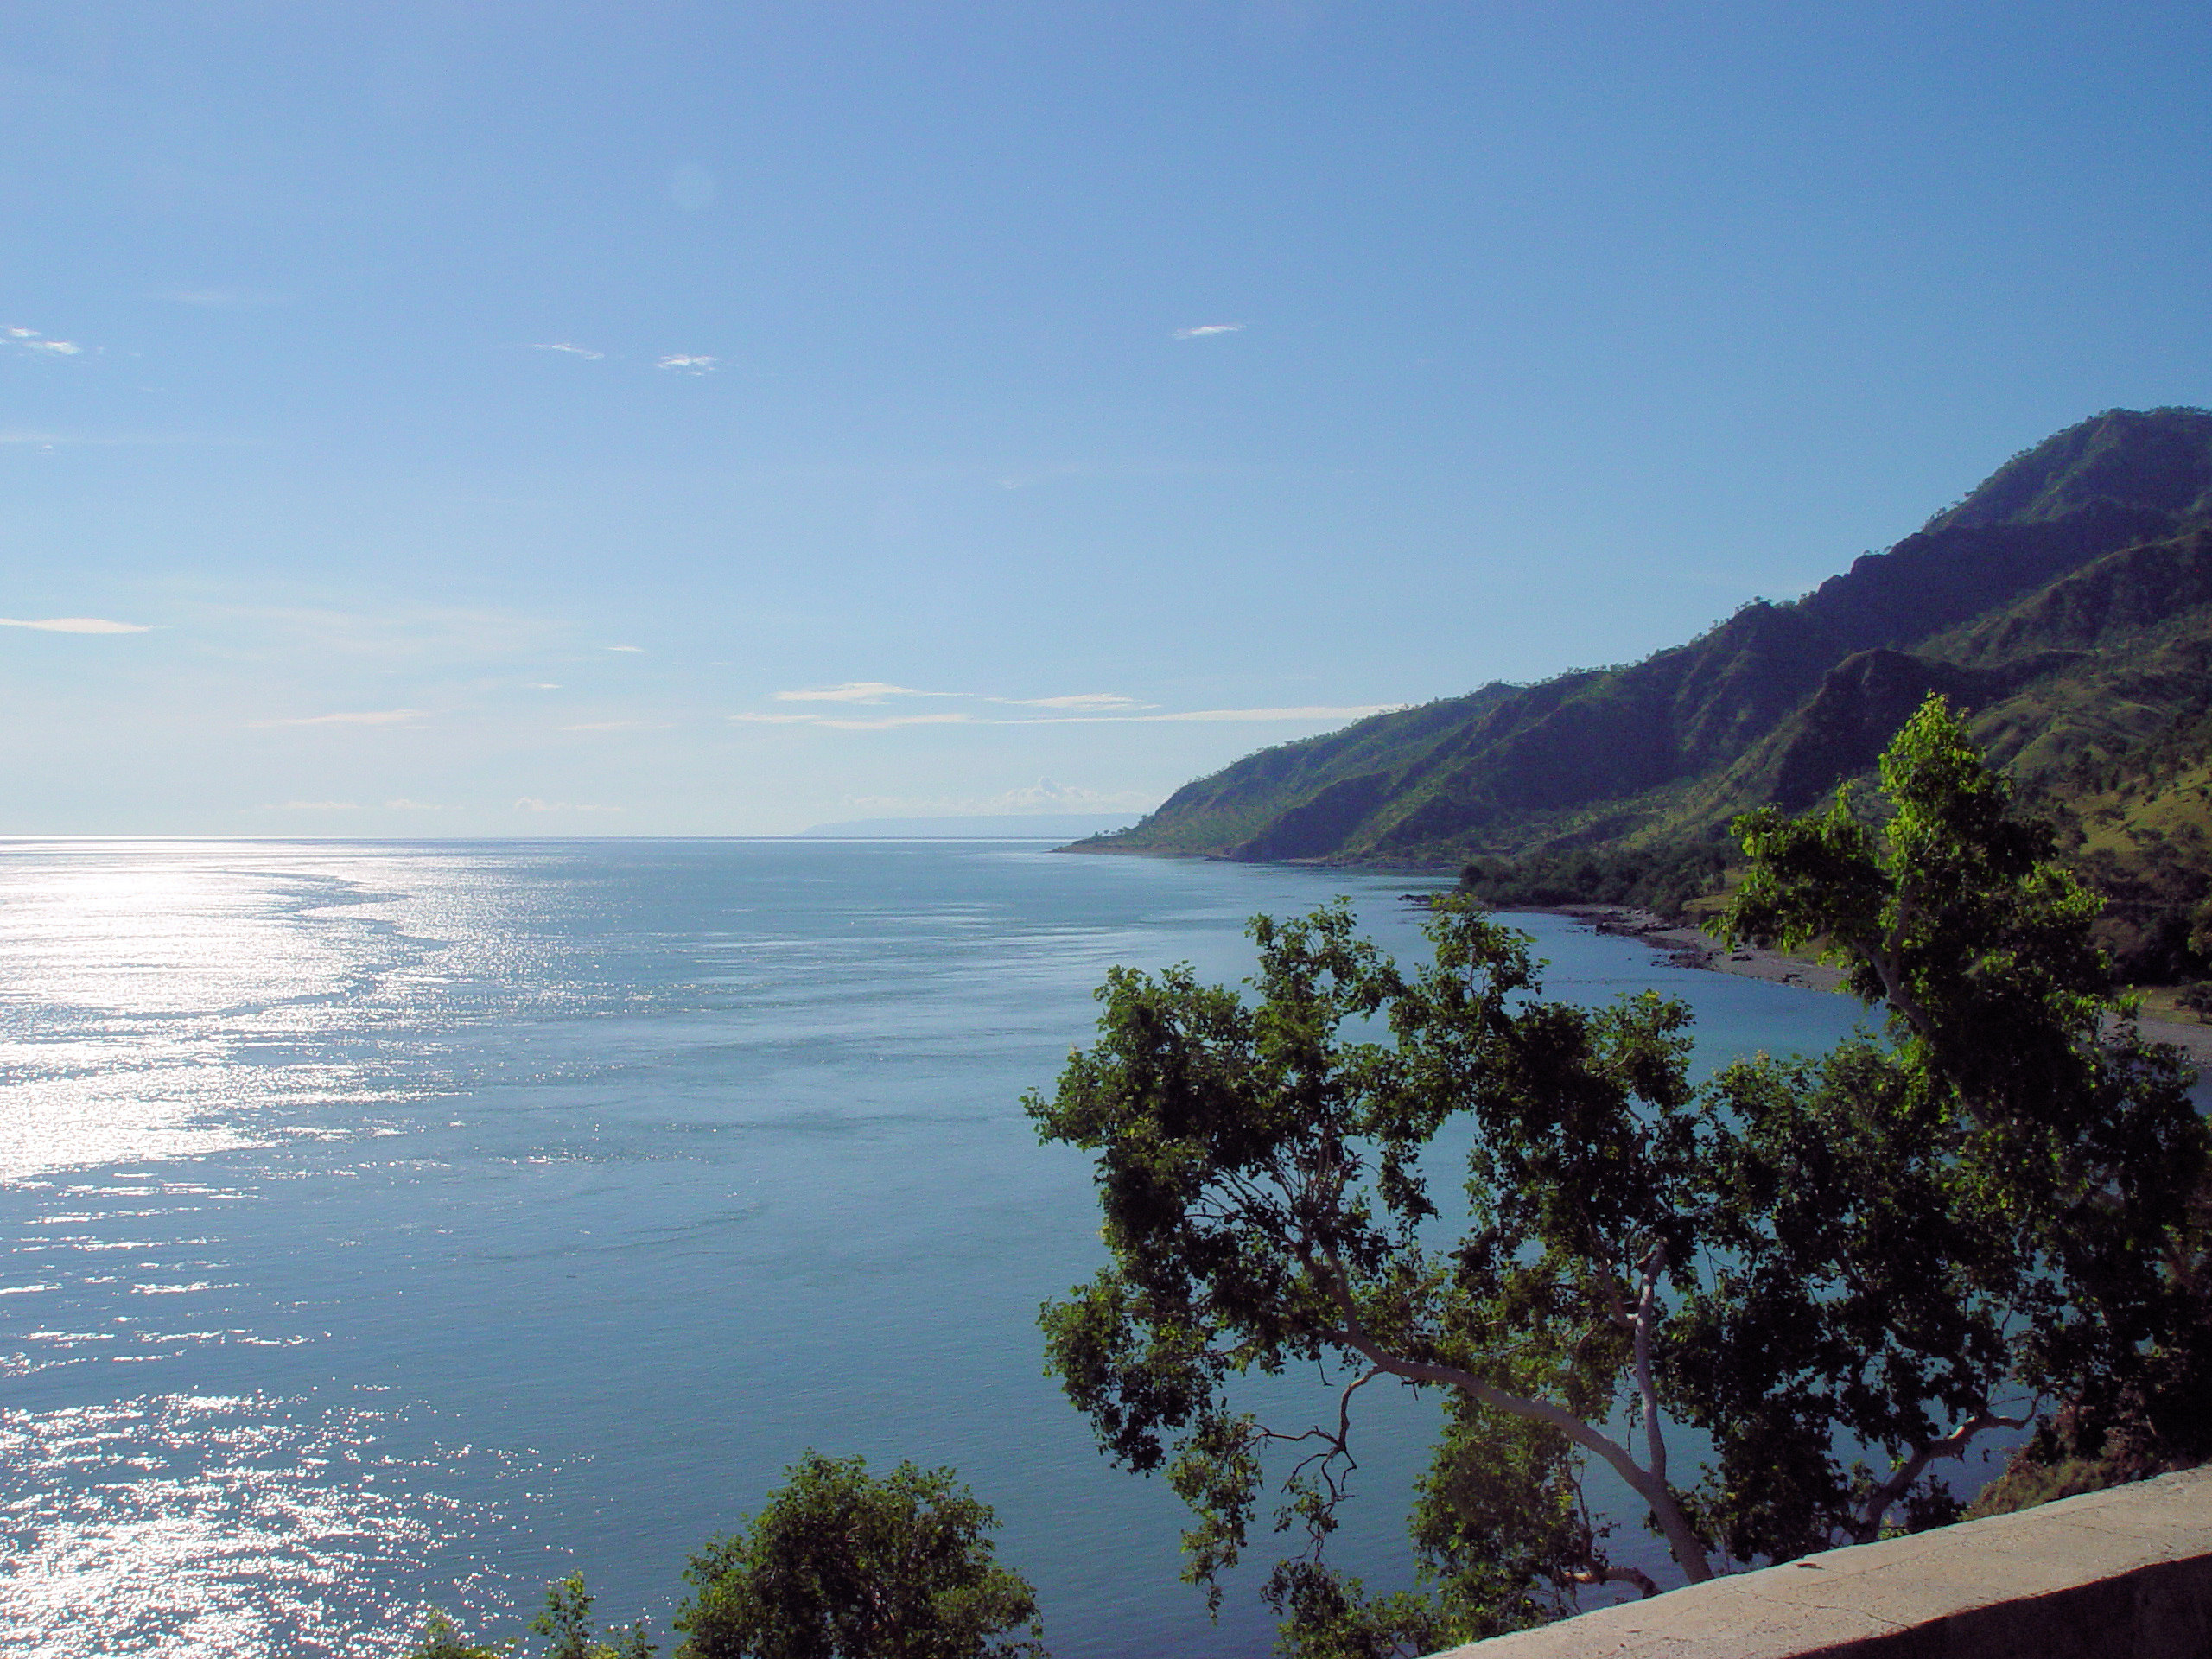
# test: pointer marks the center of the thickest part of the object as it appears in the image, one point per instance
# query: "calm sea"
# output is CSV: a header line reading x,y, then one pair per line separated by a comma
x,y
399,1225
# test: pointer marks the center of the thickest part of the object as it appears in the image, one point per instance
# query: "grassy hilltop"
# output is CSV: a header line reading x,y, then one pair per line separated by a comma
x,y
2066,603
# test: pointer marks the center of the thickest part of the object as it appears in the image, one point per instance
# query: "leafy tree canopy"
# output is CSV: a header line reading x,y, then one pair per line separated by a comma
x,y
442,1639
842,1564
565,1624
1897,1247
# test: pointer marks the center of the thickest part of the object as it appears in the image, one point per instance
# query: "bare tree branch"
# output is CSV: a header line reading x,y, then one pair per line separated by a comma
x,y
1953,1445
1611,1574
1682,1540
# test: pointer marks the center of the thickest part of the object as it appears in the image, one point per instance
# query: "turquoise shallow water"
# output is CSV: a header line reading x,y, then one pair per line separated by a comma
x,y
390,1225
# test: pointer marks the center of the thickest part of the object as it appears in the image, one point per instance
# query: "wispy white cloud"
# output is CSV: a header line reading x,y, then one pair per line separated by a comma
x,y
74,625
890,721
314,806
633,648
1079,709
682,363
366,717
618,725
1080,700
1310,711
402,804
531,804
29,340
572,350
1206,328
120,440
858,692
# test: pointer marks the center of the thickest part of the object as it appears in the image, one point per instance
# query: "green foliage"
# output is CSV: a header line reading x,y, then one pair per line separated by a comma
x,y
1893,1249
566,1625
1951,914
442,1639
842,1564
1260,1168
1954,917
1662,879
2057,1149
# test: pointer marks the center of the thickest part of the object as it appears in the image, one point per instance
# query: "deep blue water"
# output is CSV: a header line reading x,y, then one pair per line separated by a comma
x,y
397,1225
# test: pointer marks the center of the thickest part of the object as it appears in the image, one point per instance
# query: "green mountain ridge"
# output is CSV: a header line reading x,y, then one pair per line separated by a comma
x,y
2066,602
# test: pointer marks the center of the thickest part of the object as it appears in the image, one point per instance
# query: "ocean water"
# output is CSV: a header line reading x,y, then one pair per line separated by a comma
x,y
390,1226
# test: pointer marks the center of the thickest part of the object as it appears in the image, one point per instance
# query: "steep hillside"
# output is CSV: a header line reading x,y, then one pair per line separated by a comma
x,y
2068,600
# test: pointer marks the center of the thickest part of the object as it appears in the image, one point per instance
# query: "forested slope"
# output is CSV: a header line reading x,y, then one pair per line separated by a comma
x,y
2067,602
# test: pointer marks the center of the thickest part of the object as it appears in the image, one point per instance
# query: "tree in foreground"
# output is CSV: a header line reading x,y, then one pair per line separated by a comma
x,y
842,1564
442,1639
1885,1253
565,1624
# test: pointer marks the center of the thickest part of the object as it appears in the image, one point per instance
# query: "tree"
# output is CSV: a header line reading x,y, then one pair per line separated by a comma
x,y
2055,1144
565,1623
841,1564
442,1639
1894,1248
1260,1166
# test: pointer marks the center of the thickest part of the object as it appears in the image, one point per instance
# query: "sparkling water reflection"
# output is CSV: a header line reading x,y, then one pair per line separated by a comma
x,y
397,1225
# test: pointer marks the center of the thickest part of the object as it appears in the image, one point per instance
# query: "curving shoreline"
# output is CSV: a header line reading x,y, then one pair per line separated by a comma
x,y
1689,947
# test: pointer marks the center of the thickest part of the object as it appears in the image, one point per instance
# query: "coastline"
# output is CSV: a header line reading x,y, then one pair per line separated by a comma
x,y
1688,947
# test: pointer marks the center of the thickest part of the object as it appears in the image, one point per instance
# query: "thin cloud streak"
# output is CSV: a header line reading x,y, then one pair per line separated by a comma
x,y
1355,711
890,721
29,340
80,441
859,691
1100,700
1205,329
1261,717
572,350
368,717
74,625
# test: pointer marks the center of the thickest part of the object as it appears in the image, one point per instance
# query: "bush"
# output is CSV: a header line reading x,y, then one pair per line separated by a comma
x,y
844,1565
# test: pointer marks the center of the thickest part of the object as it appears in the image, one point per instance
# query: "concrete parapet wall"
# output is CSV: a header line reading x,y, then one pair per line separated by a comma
x,y
2120,1574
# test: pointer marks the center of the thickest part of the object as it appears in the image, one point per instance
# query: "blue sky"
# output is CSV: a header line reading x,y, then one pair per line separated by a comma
x,y
666,419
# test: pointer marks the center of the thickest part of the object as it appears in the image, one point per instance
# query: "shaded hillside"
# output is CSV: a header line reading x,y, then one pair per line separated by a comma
x,y
2067,599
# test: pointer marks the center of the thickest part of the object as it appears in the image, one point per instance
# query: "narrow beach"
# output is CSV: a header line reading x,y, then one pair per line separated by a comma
x,y
1688,947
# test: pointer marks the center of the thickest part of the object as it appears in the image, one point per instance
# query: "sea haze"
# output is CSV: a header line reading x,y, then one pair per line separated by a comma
x,y
396,1226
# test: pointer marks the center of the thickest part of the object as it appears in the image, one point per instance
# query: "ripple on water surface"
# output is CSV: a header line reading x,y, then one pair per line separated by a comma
x,y
212,1525
390,1225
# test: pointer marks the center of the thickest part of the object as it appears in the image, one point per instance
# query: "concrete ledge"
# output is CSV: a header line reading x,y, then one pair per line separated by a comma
x,y
2125,1573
